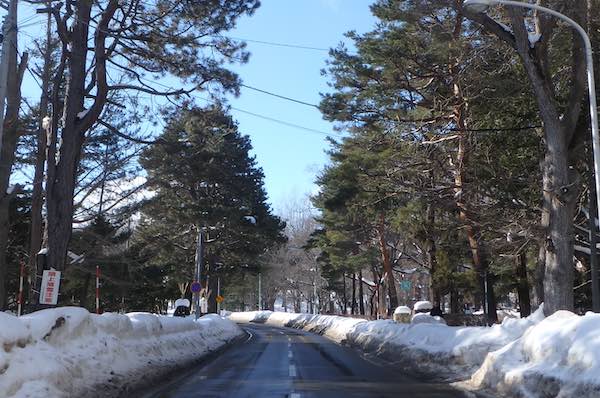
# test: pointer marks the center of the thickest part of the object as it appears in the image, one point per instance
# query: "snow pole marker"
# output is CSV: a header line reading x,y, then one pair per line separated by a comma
x,y
97,289
20,297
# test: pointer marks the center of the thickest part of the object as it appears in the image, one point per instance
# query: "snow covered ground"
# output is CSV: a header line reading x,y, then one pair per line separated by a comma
x,y
558,356
68,352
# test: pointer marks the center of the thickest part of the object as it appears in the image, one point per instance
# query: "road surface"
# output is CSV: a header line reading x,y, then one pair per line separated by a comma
x,y
283,362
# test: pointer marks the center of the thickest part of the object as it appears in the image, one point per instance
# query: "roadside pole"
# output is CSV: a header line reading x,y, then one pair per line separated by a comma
x,y
315,298
20,298
259,292
218,295
593,214
98,289
198,273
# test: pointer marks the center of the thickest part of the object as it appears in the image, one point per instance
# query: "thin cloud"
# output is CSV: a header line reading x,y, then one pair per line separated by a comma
x,y
333,5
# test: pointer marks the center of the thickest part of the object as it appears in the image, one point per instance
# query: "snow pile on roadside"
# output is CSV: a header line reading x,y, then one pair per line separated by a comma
x,y
334,327
558,357
69,352
463,346
467,346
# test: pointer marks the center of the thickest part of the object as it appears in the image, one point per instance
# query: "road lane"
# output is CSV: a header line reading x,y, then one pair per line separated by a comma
x,y
282,362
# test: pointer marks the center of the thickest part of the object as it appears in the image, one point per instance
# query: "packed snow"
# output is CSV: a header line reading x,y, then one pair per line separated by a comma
x,y
557,356
402,310
68,352
534,38
423,306
423,317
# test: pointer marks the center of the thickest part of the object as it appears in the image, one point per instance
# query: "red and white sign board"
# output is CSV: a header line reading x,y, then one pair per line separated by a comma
x,y
50,286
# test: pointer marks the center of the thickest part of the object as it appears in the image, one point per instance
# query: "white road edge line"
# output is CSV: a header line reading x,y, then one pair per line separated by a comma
x,y
292,371
249,337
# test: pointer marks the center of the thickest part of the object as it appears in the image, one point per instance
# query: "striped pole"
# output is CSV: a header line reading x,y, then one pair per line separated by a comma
x,y
20,298
97,289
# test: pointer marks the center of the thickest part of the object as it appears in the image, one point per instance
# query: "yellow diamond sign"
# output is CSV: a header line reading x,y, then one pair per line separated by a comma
x,y
220,299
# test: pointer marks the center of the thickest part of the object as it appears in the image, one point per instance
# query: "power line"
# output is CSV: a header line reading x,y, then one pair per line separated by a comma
x,y
278,121
282,122
280,96
270,43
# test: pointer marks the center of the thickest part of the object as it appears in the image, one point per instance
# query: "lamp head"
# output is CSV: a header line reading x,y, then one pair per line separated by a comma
x,y
477,6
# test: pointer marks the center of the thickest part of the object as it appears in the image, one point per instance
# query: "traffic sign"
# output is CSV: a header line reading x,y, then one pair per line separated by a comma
x,y
196,287
220,299
50,286
405,285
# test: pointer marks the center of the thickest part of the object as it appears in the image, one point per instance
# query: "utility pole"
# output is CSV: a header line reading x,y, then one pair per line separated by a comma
x,y
198,275
9,43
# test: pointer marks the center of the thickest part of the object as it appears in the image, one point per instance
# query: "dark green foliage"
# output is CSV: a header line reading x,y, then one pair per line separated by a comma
x,y
202,176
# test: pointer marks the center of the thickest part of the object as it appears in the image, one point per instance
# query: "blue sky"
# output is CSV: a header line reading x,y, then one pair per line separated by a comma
x,y
291,158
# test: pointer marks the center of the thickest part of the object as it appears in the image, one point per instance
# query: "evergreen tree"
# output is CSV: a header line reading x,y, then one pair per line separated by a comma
x,y
204,178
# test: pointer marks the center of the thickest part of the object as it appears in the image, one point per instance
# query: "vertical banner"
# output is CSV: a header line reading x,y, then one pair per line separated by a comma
x,y
50,286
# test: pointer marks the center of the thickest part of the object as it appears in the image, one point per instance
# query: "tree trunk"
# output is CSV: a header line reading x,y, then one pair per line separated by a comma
x,y
37,196
10,137
387,264
63,160
432,252
373,304
284,300
459,115
83,302
212,283
479,262
353,307
540,270
382,306
345,295
361,302
559,186
454,304
523,285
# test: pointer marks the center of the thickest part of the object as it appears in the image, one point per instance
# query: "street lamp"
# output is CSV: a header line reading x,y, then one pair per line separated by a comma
x,y
480,6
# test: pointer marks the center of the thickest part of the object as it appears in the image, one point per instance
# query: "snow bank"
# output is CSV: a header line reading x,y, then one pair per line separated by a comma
x,y
334,327
558,357
423,317
453,353
464,346
423,306
69,352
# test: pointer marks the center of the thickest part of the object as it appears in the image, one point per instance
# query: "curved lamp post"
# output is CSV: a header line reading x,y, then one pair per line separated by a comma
x,y
480,6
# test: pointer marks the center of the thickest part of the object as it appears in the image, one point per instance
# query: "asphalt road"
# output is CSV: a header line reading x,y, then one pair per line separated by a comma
x,y
282,362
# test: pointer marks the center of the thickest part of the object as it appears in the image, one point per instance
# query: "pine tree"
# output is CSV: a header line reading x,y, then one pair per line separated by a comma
x,y
203,177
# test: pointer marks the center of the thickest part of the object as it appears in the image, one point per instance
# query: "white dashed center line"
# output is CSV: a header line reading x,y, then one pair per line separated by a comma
x,y
292,371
